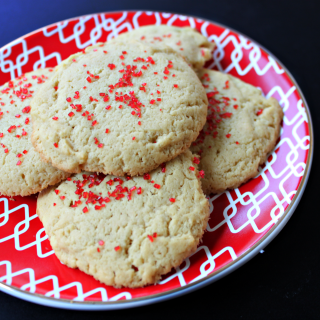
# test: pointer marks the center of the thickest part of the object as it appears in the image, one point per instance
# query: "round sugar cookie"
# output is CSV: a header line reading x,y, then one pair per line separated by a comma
x,y
188,42
127,232
21,170
242,128
119,108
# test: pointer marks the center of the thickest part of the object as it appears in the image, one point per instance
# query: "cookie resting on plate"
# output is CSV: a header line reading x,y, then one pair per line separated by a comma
x,y
242,128
127,232
123,107
188,42
21,170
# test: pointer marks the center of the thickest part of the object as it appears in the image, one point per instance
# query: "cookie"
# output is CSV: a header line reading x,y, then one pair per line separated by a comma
x,y
242,128
21,171
127,232
188,42
119,108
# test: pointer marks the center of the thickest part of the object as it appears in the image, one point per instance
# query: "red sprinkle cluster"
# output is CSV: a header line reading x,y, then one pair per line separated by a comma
x,y
216,111
97,200
19,90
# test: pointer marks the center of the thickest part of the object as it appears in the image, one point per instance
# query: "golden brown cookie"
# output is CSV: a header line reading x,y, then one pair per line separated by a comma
x,y
188,42
123,107
242,128
21,170
127,232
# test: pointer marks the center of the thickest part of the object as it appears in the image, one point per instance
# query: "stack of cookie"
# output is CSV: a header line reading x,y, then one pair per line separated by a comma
x,y
123,139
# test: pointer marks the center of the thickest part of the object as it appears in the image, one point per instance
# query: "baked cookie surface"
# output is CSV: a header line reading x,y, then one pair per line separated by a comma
x,y
242,128
21,170
127,232
123,107
188,42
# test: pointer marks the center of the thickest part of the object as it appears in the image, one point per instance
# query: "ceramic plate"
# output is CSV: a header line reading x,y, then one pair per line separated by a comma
x,y
243,221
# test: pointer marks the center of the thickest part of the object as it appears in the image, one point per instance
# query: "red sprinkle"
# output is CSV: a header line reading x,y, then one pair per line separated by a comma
x,y
56,145
107,130
101,242
18,163
55,118
150,238
85,210
117,248
70,114
146,176
259,112
100,145
26,109
175,85
157,186
62,197
237,142
155,235
68,99
196,160
191,168
139,191
172,200
12,128
228,135
57,191
226,115
226,85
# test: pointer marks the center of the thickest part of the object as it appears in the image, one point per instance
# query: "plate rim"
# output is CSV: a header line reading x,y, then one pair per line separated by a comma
x,y
214,276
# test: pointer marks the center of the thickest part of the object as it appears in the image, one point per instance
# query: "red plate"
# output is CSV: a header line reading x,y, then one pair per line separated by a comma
x,y
243,220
